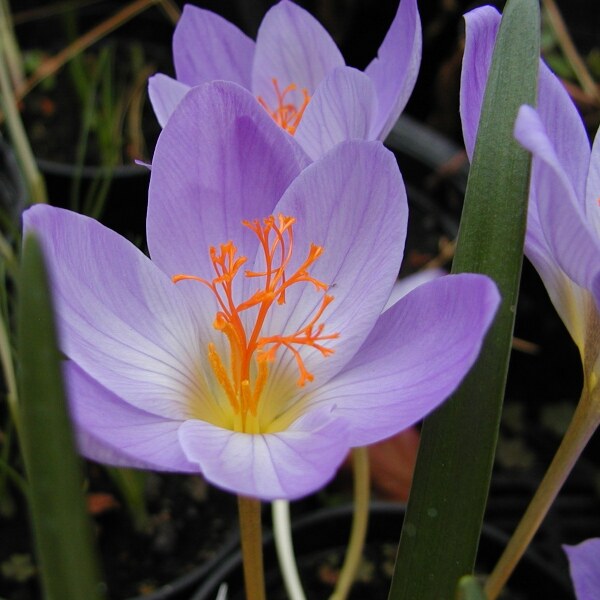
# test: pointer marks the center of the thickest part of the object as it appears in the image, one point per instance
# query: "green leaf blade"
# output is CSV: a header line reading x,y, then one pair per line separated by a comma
x,y
458,441
60,522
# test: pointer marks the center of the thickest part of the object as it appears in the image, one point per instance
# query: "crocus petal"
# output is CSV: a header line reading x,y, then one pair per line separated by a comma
x,y
120,318
570,300
395,69
584,565
416,355
208,47
288,464
592,188
408,284
165,94
341,109
481,29
113,432
565,130
570,239
292,47
220,159
351,197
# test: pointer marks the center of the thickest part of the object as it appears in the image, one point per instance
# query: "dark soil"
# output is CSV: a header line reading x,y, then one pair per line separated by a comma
x,y
320,573
188,524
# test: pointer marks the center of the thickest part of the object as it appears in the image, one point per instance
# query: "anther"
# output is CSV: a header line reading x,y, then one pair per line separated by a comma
x,y
287,114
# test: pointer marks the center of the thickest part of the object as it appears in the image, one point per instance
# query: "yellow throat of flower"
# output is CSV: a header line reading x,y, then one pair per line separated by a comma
x,y
243,377
287,114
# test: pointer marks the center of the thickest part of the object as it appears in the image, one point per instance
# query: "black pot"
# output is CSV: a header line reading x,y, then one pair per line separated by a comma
x,y
320,539
180,589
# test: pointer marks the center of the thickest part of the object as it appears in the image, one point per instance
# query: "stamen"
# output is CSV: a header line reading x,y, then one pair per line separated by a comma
x,y
304,336
235,345
261,380
243,384
287,115
247,398
222,378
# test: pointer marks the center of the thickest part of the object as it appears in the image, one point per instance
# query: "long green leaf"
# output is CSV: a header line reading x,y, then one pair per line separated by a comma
x,y
60,523
443,521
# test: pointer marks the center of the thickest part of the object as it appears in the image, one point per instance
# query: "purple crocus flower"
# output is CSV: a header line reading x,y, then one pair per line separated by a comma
x,y
584,564
563,225
297,73
254,347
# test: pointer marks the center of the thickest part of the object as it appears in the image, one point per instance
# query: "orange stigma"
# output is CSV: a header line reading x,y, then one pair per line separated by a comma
x,y
244,377
287,115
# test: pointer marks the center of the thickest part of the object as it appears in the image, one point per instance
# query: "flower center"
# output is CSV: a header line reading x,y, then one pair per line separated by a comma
x,y
287,115
244,375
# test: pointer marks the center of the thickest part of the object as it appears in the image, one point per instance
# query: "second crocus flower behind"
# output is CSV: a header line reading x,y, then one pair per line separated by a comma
x,y
297,73
255,347
563,221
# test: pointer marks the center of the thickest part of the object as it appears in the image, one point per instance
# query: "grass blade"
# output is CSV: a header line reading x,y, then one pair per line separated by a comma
x,y
61,527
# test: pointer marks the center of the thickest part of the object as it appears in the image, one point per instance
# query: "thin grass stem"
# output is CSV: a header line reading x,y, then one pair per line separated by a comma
x,y
360,521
